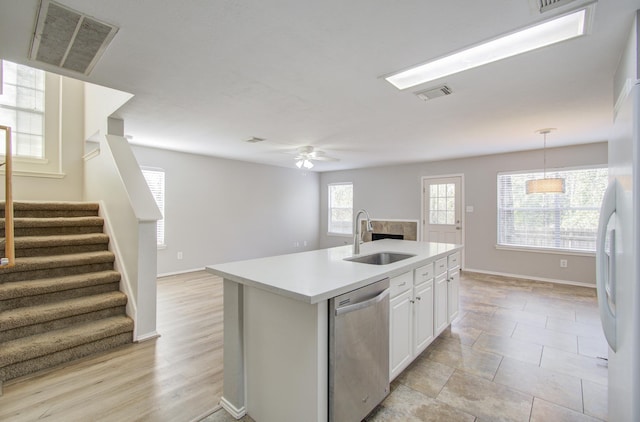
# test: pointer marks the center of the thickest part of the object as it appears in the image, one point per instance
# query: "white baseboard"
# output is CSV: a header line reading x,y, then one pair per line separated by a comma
x,y
232,410
146,336
193,270
527,277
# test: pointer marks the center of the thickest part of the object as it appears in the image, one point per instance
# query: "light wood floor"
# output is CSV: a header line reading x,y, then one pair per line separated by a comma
x,y
177,377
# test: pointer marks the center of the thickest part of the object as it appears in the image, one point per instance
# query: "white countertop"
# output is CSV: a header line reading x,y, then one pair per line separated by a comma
x,y
318,275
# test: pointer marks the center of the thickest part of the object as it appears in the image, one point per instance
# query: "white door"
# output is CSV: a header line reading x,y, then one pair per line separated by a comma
x,y
442,203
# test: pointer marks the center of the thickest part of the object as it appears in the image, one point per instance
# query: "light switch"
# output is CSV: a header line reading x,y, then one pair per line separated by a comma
x,y
469,208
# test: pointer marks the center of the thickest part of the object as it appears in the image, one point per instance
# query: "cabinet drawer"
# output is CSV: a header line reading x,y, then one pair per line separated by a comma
x,y
441,266
401,284
424,273
454,260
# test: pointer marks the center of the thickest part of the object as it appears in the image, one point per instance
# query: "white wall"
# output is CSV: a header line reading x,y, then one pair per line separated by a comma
x,y
394,193
61,177
219,210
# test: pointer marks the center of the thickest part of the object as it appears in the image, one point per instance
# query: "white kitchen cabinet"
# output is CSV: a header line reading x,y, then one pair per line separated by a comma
x,y
423,316
400,323
440,296
453,286
423,303
440,303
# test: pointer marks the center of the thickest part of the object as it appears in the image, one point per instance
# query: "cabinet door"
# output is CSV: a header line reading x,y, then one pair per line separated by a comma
x,y
453,289
423,320
400,317
440,312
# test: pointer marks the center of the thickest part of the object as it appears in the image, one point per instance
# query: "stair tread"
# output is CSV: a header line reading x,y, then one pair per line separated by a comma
x,y
46,343
22,222
24,288
20,317
30,263
25,242
52,205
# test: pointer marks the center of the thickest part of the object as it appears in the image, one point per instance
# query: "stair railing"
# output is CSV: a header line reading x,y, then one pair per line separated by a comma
x,y
9,247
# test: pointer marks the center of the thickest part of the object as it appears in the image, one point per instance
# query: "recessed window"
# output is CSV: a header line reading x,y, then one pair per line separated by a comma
x,y
564,222
341,208
155,180
22,108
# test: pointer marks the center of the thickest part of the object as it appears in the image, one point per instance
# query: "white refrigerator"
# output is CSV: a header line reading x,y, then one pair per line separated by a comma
x,y
618,251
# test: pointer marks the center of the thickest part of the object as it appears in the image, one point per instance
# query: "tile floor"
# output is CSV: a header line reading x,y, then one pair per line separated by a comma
x,y
518,351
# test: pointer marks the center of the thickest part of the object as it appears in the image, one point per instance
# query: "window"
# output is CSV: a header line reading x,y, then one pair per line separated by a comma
x,y
341,208
442,205
22,108
155,180
566,222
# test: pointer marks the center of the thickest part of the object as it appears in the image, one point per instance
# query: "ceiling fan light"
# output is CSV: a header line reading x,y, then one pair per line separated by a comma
x,y
307,164
555,185
299,163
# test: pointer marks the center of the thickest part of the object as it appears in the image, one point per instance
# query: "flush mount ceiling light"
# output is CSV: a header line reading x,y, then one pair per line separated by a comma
x,y
549,32
544,185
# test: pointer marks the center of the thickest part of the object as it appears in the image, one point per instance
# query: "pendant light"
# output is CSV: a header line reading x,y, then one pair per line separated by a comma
x,y
545,185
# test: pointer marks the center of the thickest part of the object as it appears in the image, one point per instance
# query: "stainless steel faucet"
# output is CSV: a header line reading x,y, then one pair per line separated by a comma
x,y
356,230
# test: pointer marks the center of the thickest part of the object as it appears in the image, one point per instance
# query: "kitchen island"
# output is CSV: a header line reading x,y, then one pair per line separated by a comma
x,y
276,314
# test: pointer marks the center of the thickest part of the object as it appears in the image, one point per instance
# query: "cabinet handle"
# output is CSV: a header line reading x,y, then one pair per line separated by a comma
x,y
418,297
412,301
425,274
402,284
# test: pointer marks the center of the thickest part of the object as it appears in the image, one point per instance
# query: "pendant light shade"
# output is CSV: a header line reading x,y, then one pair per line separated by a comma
x,y
544,185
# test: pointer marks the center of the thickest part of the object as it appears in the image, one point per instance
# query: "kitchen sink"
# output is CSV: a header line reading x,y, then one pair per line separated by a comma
x,y
380,258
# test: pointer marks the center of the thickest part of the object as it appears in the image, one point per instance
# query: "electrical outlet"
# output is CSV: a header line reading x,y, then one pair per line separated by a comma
x,y
180,255
563,263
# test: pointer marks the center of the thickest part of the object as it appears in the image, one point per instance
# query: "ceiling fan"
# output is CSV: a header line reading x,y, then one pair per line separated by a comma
x,y
307,154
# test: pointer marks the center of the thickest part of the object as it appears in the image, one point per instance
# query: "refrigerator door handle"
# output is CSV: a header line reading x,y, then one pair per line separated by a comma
x,y
605,266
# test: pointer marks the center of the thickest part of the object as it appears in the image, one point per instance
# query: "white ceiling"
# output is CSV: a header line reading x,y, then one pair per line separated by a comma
x,y
208,75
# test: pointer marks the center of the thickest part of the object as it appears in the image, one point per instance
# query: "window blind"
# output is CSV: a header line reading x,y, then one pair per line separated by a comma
x,y
155,181
567,221
340,208
22,108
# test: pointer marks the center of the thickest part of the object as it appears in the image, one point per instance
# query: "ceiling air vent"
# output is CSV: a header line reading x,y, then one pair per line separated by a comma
x,y
546,5
255,140
68,39
431,93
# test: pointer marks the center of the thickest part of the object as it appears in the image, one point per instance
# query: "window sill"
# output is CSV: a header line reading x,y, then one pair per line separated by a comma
x,y
545,250
340,234
42,174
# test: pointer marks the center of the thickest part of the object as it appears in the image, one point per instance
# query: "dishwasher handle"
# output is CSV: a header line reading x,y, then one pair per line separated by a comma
x,y
364,304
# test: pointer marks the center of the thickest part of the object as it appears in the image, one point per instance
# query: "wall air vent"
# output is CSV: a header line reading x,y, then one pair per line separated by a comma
x,y
68,39
546,5
255,140
431,93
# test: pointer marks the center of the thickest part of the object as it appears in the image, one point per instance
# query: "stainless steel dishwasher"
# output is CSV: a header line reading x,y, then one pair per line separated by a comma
x,y
358,351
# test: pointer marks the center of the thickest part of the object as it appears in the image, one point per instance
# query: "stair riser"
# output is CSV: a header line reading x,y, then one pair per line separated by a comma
x,y
58,250
64,356
60,323
57,296
56,272
53,230
50,213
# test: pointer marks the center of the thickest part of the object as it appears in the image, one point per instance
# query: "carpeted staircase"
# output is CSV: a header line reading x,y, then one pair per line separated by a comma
x,y
61,301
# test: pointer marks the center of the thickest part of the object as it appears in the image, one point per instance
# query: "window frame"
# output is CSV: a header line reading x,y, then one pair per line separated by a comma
x,y
160,224
541,249
330,208
50,165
